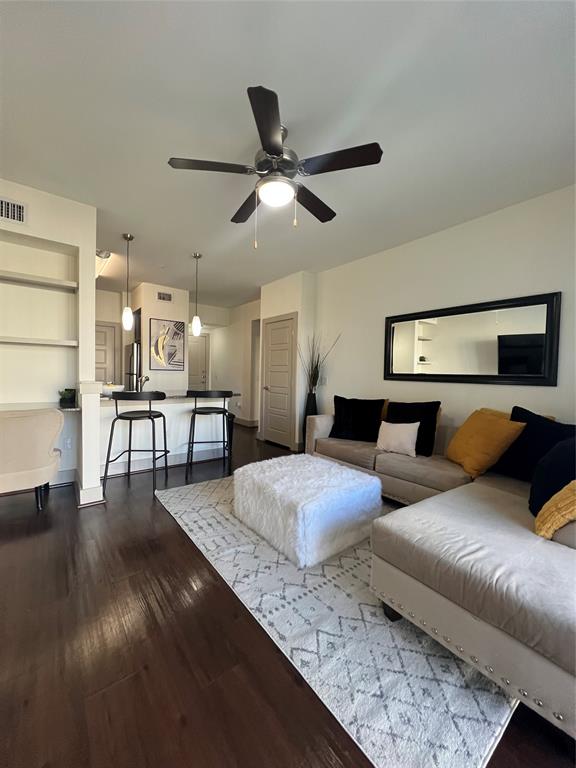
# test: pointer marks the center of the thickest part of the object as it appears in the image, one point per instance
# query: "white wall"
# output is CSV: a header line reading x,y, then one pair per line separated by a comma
x,y
109,306
210,315
231,350
521,250
144,297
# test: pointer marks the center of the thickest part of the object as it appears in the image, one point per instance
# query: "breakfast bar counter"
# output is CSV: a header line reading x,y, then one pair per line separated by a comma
x,y
177,409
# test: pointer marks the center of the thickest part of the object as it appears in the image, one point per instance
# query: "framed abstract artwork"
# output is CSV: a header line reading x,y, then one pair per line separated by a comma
x,y
166,345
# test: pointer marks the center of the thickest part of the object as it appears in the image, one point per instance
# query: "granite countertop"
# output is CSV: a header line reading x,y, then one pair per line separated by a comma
x,y
170,400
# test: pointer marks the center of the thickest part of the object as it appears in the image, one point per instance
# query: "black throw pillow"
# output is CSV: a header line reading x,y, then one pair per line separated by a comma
x,y
425,413
538,437
357,419
554,470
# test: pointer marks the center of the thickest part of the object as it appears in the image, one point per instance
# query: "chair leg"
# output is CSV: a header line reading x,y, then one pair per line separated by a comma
x,y
46,489
153,454
39,499
230,439
188,451
110,440
224,439
129,448
165,448
190,457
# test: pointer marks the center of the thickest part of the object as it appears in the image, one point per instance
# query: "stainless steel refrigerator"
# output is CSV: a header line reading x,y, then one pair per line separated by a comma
x,y
132,365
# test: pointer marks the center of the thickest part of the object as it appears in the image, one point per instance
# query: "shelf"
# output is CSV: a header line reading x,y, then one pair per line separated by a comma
x,y
38,342
21,278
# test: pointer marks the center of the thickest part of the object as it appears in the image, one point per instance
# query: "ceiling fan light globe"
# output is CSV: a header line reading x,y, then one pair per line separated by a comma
x,y
196,326
127,319
276,192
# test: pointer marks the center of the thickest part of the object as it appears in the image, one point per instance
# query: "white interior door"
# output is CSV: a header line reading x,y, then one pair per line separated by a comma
x,y
278,381
107,367
198,355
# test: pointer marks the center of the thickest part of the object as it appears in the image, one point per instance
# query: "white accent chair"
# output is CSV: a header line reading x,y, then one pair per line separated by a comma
x,y
28,457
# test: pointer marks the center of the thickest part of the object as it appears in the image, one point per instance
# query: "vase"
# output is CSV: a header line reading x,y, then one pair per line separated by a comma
x,y
310,409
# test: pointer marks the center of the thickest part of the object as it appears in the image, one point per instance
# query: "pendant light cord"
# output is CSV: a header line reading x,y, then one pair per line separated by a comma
x,y
256,218
127,271
196,285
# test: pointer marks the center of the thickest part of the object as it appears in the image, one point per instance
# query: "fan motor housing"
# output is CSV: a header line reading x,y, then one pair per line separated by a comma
x,y
287,164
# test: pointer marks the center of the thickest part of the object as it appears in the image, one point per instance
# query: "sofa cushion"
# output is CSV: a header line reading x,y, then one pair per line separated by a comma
x,y
539,436
425,413
476,546
566,535
430,471
503,483
356,452
356,419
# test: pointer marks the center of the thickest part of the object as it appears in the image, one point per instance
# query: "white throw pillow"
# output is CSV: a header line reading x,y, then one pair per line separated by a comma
x,y
398,438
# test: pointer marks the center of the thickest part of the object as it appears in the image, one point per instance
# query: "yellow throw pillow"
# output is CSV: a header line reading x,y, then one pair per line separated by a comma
x,y
557,512
481,440
500,414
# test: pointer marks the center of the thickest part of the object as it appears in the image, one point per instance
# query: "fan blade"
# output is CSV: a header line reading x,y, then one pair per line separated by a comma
x,y
314,204
208,165
246,209
267,116
354,157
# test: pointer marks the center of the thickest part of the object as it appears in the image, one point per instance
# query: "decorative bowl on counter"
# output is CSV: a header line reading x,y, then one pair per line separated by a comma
x,y
107,389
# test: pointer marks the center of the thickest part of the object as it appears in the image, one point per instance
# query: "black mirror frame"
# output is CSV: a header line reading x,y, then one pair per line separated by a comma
x,y
548,378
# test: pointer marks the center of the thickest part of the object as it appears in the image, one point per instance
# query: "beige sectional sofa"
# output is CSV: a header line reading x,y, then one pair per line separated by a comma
x,y
403,478
462,561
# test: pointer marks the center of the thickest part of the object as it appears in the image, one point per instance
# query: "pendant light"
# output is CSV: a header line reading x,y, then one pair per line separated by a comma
x,y
196,323
127,314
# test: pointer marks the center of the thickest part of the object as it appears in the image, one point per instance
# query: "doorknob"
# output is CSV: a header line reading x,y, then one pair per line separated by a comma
x,y
266,388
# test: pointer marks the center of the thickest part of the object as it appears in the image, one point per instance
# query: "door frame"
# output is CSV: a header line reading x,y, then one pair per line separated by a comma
x,y
117,346
294,373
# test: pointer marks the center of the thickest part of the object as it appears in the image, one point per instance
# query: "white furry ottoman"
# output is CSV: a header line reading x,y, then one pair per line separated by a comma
x,y
306,507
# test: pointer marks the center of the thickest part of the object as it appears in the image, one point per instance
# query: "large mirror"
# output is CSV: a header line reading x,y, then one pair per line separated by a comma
x,y
512,341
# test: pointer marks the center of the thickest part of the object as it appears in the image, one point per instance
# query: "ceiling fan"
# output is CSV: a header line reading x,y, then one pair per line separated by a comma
x,y
277,165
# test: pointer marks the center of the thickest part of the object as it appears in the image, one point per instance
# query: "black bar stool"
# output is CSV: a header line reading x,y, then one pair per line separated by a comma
x,y
132,416
227,423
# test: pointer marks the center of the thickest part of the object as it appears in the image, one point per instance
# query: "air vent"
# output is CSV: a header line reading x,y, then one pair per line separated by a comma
x,y
164,296
12,211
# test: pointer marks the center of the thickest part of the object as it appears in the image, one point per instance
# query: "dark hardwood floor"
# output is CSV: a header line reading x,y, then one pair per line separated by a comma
x,y
121,647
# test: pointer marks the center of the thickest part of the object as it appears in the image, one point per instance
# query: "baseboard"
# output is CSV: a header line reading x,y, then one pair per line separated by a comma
x,y
64,477
88,497
246,422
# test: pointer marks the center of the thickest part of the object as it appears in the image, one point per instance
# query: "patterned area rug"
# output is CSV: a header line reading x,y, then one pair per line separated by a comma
x,y
405,699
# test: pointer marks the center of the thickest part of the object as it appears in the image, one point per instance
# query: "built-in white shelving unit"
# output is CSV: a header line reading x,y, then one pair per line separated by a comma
x,y
21,278
39,333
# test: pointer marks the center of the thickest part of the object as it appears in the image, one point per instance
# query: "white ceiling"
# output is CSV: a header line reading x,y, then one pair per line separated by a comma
x,y
472,103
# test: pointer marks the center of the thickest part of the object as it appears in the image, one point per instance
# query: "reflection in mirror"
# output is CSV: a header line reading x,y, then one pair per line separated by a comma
x,y
486,343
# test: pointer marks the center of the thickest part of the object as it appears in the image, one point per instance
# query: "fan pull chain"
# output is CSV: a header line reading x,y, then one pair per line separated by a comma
x,y
295,222
256,219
